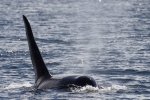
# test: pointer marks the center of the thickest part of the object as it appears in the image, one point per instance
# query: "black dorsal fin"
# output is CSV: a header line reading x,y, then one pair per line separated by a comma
x,y
39,66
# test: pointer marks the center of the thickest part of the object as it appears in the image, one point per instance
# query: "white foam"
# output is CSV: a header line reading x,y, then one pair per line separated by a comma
x,y
18,85
112,88
87,88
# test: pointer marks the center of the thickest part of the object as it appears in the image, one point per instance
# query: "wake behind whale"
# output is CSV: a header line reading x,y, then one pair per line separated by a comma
x,y
43,79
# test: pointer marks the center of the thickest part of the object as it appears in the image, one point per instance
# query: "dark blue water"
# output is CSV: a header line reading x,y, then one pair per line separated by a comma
x,y
106,39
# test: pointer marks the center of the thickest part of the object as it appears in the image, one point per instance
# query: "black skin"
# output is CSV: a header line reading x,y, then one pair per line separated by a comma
x,y
43,79
79,81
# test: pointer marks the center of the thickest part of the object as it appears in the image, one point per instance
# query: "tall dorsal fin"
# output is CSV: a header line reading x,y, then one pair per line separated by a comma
x,y
39,66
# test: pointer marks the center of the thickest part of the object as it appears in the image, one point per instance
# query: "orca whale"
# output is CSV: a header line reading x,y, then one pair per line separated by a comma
x,y
43,79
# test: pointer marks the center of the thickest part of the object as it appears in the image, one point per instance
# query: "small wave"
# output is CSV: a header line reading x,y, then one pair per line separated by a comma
x,y
101,89
18,85
112,88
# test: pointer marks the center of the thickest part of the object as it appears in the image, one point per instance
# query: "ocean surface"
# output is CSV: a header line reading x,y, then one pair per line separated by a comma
x,y
106,39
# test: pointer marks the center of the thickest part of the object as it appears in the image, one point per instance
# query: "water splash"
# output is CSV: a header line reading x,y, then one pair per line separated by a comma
x,y
101,89
87,88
